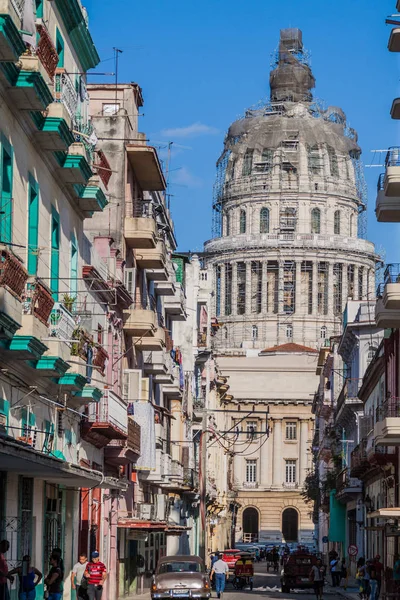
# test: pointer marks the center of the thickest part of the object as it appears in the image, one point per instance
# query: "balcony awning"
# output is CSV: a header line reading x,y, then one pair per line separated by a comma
x,y
24,460
385,513
144,161
140,524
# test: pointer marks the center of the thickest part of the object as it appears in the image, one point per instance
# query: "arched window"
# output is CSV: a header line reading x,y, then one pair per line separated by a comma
x,y
315,220
333,162
336,222
314,160
250,520
323,333
290,525
254,332
264,220
227,224
242,221
267,160
289,332
371,352
247,163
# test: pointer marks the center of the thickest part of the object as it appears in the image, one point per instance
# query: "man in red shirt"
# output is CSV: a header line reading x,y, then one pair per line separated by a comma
x,y
96,574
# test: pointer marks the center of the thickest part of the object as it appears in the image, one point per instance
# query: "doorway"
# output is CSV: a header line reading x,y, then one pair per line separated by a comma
x,y
290,525
250,521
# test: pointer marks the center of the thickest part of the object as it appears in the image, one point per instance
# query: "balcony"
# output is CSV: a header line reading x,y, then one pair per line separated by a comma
x,y
123,452
91,197
380,456
250,485
37,306
175,305
349,394
387,208
13,277
30,90
191,478
140,320
54,129
140,232
391,184
74,166
46,51
65,92
387,427
106,420
394,40
165,288
158,364
358,461
146,166
387,309
11,42
153,258
290,485
346,486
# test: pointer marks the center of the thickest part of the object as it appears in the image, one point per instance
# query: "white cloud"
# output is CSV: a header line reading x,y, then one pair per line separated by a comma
x,y
183,177
193,130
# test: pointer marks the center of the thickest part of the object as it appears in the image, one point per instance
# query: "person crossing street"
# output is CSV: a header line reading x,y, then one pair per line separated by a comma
x,y
221,570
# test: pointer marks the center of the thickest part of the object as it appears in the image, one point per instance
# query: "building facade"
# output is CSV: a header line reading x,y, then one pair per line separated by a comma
x,y
287,253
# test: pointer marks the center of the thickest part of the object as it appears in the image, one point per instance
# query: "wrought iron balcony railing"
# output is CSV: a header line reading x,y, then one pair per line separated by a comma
x,y
392,273
111,409
389,408
62,323
13,275
46,51
393,157
66,93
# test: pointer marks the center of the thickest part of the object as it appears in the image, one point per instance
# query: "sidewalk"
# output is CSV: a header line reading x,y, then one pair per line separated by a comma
x,y
351,591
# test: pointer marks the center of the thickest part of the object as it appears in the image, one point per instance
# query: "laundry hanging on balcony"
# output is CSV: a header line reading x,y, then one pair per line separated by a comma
x,y
144,416
28,24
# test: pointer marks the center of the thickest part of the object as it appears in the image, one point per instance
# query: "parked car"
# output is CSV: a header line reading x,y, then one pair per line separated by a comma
x,y
296,570
180,577
230,557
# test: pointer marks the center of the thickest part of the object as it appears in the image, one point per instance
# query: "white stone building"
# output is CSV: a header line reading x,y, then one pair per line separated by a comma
x,y
287,253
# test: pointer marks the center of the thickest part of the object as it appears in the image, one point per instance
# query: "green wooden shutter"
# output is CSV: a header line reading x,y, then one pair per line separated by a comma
x,y
55,253
74,268
33,225
60,48
6,201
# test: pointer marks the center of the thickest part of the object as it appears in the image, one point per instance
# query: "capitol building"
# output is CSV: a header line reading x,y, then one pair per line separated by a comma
x,y
288,251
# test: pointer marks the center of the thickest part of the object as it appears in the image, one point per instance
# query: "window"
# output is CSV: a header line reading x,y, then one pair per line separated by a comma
x,y
267,159
289,332
241,288
242,221
74,269
251,428
251,471
60,49
290,471
291,430
247,163
323,332
254,333
231,170
33,225
55,254
264,220
314,160
336,222
227,224
315,220
6,201
371,353
218,290
333,162
228,289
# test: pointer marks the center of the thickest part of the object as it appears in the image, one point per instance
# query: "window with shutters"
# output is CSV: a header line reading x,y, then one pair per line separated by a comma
x,y
264,220
290,471
291,430
251,471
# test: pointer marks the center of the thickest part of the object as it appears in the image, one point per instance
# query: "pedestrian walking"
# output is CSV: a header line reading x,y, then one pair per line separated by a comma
x,y
378,567
363,578
29,577
54,579
5,576
373,585
96,574
317,576
78,580
221,571
335,571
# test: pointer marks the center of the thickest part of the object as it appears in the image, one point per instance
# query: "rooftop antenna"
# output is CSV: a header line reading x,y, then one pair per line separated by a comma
x,y
117,53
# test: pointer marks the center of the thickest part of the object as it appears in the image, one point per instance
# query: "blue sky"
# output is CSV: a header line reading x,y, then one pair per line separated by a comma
x,y
200,64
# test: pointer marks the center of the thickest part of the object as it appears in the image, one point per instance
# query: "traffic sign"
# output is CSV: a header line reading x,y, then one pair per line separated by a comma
x,y
352,550
325,539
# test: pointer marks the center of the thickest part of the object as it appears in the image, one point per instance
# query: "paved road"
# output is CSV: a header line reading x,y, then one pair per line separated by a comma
x,y
267,586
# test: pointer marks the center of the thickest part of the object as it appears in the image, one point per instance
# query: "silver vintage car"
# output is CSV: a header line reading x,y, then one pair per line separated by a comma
x,y
180,577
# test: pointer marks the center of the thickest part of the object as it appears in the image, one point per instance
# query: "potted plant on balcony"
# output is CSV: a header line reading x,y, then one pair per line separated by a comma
x,y
68,302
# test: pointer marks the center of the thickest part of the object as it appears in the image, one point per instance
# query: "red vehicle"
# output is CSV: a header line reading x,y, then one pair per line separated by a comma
x,y
296,571
230,557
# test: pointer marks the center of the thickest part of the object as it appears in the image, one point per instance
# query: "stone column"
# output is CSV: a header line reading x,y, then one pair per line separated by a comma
x,y
356,295
315,287
265,478
303,462
280,286
345,285
277,458
330,289
298,306
234,288
248,288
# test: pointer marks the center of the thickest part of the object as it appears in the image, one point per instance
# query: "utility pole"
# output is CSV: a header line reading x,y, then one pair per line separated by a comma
x,y
203,487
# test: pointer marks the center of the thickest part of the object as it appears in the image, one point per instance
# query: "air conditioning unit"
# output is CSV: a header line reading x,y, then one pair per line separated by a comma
x,y
146,511
132,385
130,280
